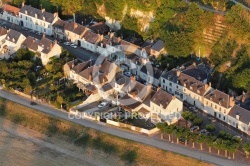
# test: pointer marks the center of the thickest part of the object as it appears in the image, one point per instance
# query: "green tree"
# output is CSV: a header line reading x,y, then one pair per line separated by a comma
x,y
201,139
193,138
186,115
210,142
161,127
218,144
169,129
198,121
246,148
28,89
210,127
178,131
59,100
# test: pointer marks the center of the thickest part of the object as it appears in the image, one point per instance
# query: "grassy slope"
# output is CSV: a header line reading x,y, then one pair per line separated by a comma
x,y
129,151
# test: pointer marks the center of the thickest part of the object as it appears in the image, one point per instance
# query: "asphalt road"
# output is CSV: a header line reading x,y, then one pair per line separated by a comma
x,y
204,156
79,52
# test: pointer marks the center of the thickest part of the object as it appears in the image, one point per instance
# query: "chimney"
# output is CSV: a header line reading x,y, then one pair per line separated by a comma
x,y
75,25
132,78
51,46
43,10
210,84
118,39
100,37
158,88
55,14
173,97
23,4
238,116
111,34
194,63
90,77
178,73
231,101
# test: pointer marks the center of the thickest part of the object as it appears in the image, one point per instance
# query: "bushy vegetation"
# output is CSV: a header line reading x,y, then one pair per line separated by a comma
x,y
46,83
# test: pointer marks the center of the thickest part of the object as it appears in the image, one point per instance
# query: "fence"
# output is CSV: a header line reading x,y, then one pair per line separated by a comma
x,y
134,128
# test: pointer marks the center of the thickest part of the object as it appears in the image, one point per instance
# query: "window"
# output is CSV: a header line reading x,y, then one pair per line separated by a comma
x,y
224,118
211,104
244,129
215,106
206,102
20,16
26,17
184,89
163,86
163,81
170,84
225,111
177,86
219,116
229,121
220,108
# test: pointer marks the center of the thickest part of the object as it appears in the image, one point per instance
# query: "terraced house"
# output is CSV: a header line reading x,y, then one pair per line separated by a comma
x,y
11,14
37,20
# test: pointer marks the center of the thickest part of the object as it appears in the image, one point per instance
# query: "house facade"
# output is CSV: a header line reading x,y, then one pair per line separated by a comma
x,y
150,74
166,106
44,48
11,14
74,32
11,43
37,20
59,29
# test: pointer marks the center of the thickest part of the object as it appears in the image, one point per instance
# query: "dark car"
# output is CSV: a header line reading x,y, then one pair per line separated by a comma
x,y
182,140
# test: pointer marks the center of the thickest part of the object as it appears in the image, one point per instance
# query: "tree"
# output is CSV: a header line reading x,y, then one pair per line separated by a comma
x,y
178,131
161,127
218,144
198,121
201,139
246,148
193,138
210,127
28,89
169,129
59,99
186,115
210,142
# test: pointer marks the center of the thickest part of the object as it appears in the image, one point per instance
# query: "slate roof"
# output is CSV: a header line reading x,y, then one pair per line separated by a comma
x,y
162,98
107,87
33,44
75,28
121,79
158,45
31,11
152,71
244,115
129,102
187,81
81,66
107,67
243,101
196,72
11,10
13,36
91,37
60,24
100,28
219,97
147,43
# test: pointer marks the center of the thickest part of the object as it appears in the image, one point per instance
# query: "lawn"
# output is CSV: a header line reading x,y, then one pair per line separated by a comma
x,y
131,152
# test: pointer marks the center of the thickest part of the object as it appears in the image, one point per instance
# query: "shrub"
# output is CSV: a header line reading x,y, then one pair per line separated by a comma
x,y
210,127
129,156
197,121
18,117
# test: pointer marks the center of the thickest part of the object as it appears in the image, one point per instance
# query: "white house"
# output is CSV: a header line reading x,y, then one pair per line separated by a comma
x,y
239,118
11,14
218,104
90,40
150,74
166,106
37,20
11,43
44,48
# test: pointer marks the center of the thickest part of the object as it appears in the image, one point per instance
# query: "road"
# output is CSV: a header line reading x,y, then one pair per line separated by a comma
x,y
79,52
124,133
235,1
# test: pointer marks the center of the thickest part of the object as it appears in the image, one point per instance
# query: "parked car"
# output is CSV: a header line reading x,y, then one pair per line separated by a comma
x,y
39,33
193,109
103,104
182,140
194,129
73,45
32,31
23,28
203,131
66,43
212,119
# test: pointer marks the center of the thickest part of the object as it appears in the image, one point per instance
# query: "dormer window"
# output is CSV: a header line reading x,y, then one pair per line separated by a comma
x,y
13,40
191,87
36,15
26,12
43,18
185,84
198,91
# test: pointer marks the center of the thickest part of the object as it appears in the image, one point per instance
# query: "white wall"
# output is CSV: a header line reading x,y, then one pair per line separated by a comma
x,y
55,52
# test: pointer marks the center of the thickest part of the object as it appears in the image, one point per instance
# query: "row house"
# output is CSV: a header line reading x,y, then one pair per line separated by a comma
x,y
218,104
44,48
11,43
74,32
37,20
11,14
150,74
90,41
59,29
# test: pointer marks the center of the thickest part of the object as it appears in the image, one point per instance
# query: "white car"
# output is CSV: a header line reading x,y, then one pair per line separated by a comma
x,y
212,119
66,43
73,45
103,104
